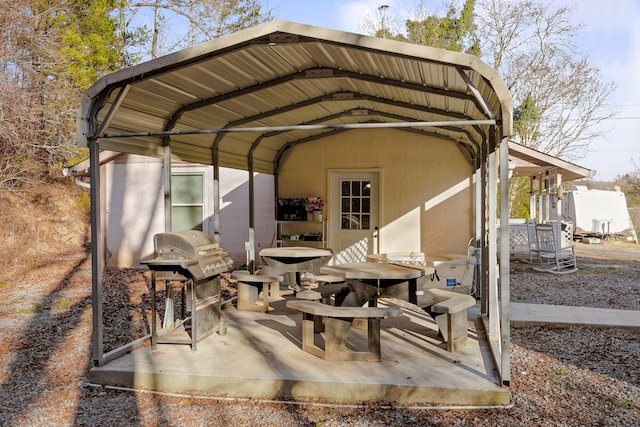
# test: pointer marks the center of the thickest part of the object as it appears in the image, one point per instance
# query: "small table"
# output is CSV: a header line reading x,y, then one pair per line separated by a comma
x,y
294,259
367,280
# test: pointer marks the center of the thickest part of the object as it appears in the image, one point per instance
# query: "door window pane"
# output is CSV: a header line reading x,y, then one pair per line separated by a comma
x,y
366,222
356,204
346,188
366,188
346,204
355,188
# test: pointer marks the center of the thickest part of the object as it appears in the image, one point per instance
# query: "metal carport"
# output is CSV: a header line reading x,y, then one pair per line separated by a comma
x,y
244,100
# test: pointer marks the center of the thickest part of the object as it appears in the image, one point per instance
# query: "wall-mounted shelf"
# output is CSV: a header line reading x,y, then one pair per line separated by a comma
x,y
301,233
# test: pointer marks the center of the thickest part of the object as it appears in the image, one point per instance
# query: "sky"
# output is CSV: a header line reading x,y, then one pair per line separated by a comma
x,y
610,37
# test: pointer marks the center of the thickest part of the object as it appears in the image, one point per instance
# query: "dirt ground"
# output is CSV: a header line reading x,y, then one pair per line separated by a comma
x,y
560,376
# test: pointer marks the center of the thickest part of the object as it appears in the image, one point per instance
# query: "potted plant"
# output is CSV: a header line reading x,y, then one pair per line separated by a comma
x,y
314,209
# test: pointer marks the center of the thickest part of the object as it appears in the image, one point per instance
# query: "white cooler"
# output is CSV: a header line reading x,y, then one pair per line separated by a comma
x,y
451,269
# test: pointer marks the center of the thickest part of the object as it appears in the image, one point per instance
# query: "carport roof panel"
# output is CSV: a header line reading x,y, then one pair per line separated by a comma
x,y
276,74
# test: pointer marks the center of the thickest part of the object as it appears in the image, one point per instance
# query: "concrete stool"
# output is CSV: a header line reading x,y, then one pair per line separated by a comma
x,y
311,295
248,290
275,290
452,317
308,284
335,286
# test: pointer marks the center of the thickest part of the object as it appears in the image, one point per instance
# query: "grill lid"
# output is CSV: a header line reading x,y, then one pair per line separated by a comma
x,y
189,253
192,244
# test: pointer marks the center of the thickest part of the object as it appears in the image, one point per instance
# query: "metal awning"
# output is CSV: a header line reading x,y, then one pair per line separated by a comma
x,y
534,163
259,92
245,100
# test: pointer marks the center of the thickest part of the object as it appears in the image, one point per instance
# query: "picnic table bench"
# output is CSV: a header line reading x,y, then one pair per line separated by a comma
x,y
337,323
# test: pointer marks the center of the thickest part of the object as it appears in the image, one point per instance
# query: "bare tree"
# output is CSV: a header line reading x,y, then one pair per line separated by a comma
x,y
446,26
50,52
177,24
384,23
24,120
559,96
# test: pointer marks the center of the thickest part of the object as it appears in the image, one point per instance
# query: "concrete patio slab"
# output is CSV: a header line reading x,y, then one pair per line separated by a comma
x,y
260,356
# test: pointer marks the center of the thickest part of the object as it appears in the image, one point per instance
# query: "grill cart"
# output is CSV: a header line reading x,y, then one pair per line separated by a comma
x,y
191,263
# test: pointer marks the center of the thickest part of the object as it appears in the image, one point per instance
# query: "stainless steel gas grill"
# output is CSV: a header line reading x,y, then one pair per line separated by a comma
x,y
191,263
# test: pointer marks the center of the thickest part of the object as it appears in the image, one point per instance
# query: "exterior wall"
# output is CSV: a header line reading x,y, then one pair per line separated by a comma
x,y
234,212
133,191
133,200
425,200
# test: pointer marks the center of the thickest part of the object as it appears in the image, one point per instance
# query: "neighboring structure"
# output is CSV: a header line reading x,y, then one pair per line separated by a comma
x,y
404,143
598,213
546,177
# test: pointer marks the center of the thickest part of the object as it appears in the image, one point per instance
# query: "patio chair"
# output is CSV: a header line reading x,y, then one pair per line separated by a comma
x,y
554,259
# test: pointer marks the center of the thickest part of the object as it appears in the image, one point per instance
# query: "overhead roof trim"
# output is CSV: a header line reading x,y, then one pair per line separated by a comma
x,y
533,163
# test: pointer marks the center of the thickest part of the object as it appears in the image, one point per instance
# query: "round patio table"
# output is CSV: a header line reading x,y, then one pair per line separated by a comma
x,y
294,259
368,280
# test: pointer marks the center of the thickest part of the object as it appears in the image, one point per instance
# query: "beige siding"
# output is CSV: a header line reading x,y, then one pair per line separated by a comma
x,y
134,214
234,212
133,196
426,202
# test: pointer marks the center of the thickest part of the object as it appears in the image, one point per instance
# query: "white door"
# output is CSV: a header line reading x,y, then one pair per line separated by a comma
x,y
354,211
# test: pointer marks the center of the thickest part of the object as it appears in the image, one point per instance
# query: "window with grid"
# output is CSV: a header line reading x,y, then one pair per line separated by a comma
x,y
355,207
187,201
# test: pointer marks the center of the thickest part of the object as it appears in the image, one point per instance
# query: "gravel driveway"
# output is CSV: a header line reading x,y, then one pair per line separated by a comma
x,y
571,376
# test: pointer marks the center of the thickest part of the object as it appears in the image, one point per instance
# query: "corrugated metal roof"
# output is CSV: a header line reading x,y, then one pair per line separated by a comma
x,y
286,74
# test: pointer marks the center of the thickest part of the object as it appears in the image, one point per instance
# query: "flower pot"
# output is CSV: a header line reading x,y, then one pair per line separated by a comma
x,y
317,216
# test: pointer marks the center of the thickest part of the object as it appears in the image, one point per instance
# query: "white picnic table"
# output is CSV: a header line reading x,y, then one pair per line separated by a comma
x,y
294,259
368,280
